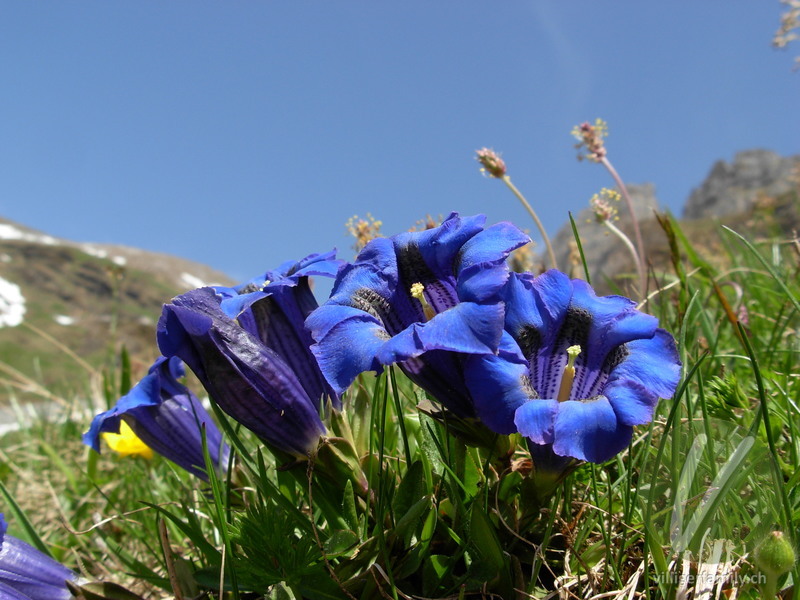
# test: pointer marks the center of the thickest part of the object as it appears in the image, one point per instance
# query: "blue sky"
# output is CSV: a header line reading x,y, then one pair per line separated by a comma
x,y
243,134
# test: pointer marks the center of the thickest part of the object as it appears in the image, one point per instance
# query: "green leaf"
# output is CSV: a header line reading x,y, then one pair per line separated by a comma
x,y
580,247
125,372
410,490
197,536
30,534
340,542
409,523
349,512
279,592
483,539
319,585
101,590
434,570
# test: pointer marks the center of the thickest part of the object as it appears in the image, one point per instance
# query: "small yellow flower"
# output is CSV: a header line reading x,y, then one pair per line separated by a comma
x,y
127,443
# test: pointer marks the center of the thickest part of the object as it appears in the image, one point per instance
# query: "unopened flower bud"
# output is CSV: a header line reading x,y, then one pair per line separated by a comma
x,y
774,555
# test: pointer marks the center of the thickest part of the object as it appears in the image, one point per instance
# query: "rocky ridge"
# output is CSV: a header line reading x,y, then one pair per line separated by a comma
x,y
731,193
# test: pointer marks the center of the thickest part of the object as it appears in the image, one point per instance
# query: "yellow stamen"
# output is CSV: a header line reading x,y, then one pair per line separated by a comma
x,y
417,290
127,443
569,374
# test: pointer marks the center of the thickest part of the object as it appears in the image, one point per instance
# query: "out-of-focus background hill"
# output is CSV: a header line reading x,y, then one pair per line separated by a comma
x,y
92,298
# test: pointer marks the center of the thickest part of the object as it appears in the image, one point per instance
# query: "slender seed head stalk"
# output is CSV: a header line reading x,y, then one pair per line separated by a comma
x,y
493,166
591,141
569,374
606,213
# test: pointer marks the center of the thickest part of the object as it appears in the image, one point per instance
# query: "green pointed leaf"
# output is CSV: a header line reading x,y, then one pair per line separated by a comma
x,y
349,512
279,592
412,520
319,586
125,372
101,590
340,542
29,535
410,490
483,539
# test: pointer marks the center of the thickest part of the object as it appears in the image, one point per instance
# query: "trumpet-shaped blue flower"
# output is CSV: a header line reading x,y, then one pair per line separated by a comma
x,y
574,371
249,347
422,300
166,416
28,574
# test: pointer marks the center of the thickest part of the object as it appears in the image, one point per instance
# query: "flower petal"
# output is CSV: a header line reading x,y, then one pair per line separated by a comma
x,y
614,321
440,246
491,246
535,308
9,593
633,403
323,264
652,363
278,320
167,417
348,340
499,385
589,430
466,328
481,267
536,420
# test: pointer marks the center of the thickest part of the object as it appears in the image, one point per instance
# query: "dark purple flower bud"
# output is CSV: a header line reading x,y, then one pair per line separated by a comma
x,y
250,349
167,417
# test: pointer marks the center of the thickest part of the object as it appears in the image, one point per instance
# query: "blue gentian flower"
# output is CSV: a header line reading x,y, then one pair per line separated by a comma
x,y
166,416
574,371
421,299
28,574
249,348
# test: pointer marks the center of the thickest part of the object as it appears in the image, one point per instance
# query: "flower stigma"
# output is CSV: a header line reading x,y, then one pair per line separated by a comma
x,y
417,290
569,374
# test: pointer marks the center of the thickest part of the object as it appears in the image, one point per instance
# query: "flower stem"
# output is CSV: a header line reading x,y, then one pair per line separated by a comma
x,y
507,180
770,588
636,230
629,245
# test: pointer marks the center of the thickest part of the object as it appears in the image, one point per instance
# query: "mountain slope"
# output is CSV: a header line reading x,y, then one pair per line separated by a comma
x,y
89,297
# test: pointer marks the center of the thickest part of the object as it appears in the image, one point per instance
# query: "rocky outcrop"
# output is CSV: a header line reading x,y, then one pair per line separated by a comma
x,y
734,187
755,180
605,255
